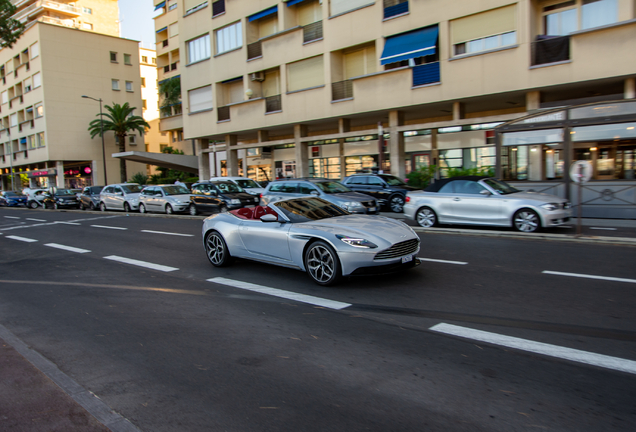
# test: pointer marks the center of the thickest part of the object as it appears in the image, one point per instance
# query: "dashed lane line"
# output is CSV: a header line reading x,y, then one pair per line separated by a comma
x,y
167,233
22,239
109,227
571,354
55,223
68,223
443,261
67,248
35,220
586,276
138,263
603,228
12,217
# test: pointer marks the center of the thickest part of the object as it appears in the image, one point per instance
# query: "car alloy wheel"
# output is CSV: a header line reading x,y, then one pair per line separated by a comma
x,y
81,206
92,207
223,209
216,249
142,208
127,207
33,205
396,202
526,220
56,206
102,207
169,209
192,209
322,264
426,217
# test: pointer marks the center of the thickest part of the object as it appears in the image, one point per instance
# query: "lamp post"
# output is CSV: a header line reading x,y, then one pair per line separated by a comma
x,y
101,120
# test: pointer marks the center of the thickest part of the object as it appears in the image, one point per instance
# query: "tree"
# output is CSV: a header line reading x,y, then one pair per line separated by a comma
x,y
119,119
170,91
10,29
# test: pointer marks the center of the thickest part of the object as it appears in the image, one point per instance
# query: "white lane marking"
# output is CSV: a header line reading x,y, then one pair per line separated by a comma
x,y
586,276
141,263
36,220
67,223
571,354
443,261
108,227
67,248
317,301
167,233
24,239
12,217
55,223
603,228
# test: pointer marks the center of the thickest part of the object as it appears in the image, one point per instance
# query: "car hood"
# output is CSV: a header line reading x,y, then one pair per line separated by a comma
x,y
349,196
238,195
66,196
254,191
536,196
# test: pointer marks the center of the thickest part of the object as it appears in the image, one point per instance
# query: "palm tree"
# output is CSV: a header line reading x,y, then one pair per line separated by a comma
x,y
119,119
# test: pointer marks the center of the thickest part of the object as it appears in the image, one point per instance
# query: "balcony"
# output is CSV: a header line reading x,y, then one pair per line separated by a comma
x,y
42,6
273,104
550,49
428,73
342,90
312,32
66,22
254,50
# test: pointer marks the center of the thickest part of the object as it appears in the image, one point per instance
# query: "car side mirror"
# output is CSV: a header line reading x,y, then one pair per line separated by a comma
x,y
314,193
269,218
485,192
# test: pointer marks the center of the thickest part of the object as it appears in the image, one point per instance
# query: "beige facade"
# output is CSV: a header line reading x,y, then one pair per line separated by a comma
x,y
44,117
303,86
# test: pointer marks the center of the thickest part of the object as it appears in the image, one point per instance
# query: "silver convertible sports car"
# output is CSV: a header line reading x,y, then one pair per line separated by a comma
x,y
313,235
476,200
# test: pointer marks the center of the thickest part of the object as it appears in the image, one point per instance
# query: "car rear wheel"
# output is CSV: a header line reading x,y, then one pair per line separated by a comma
x,y
426,217
192,209
169,209
127,207
81,206
92,206
526,220
322,264
142,208
102,206
396,202
216,249
56,206
222,209
33,204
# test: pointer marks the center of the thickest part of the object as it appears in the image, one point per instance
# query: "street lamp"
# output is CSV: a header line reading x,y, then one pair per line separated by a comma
x,y
101,120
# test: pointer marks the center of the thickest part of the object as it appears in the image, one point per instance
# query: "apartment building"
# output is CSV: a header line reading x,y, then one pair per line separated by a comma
x,y
306,87
44,119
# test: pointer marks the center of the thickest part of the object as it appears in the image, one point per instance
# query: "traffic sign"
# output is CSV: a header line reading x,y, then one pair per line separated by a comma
x,y
581,171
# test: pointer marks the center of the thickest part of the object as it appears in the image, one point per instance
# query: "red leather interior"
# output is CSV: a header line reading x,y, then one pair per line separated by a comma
x,y
252,213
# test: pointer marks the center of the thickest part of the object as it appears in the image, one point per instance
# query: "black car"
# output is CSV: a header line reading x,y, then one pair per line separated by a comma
x,y
219,196
61,198
89,198
389,190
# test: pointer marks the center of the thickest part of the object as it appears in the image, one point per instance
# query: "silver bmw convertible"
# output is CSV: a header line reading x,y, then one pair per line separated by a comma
x,y
312,235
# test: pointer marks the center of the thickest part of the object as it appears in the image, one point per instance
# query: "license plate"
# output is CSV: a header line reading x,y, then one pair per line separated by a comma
x,y
407,258
371,209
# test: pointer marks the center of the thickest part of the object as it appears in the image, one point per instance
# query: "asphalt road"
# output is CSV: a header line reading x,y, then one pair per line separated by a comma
x,y
488,334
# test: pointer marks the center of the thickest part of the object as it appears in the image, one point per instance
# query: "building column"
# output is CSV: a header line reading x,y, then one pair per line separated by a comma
x,y
300,150
204,158
396,144
59,167
435,153
231,155
344,125
94,168
459,110
630,88
533,100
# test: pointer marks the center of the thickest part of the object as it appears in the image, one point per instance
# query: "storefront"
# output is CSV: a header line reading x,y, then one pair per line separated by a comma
x,y
536,151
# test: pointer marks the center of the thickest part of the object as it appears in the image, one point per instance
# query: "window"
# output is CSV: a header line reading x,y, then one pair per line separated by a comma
x,y
154,60
305,74
173,29
561,19
37,80
40,139
13,118
115,84
395,7
218,7
596,13
199,49
5,97
34,50
342,6
127,59
129,86
87,10
172,6
31,142
359,61
39,110
229,38
132,139
200,99
484,31
144,104
87,26
113,57
143,82
144,59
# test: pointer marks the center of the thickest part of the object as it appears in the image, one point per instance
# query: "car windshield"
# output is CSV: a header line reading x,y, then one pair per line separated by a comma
x,y
96,189
175,190
332,187
500,186
309,209
227,187
392,180
249,183
131,188
13,194
64,192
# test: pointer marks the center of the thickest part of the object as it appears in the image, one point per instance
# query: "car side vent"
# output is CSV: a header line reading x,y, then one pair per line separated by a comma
x,y
398,250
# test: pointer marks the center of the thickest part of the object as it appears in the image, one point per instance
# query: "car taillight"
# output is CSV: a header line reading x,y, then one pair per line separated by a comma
x,y
408,199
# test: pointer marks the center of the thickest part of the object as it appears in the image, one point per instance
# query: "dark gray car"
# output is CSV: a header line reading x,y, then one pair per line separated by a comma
x,y
89,198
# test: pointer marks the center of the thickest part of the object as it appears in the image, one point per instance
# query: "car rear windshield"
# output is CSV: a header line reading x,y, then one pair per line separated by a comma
x,y
249,183
227,187
131,188
309,209
500,186
175,190
332,187
392,180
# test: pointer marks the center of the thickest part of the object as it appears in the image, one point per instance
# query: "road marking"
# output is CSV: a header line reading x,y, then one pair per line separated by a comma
x,y
24,239
141,263
108,227
317,301
12,217
167,233
36,220
603,228
67,248
571,354
67,223
607,278
443,261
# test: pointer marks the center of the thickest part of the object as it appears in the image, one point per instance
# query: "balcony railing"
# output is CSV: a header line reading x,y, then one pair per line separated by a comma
x,y
254,50
23,15
218,7
273,104
164,43
60,22
426,74
312,32
395,7
548,49
223,113
342,90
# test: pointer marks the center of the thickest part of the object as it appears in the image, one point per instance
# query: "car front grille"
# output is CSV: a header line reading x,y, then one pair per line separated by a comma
x,y
398,250
368,203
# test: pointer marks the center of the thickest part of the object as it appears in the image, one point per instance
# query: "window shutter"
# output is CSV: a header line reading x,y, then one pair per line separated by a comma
x,y
267,26
354,64
173,29
37,80
271,85
340,6
189,4
200,99
35,50
484,24
308,12
305,74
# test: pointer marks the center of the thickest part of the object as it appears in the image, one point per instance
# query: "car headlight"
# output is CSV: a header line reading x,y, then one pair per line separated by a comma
x,y
356,242
60,200
550,206
352,205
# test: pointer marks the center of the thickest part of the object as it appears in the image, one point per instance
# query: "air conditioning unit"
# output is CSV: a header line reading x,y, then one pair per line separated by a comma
x,y
257,76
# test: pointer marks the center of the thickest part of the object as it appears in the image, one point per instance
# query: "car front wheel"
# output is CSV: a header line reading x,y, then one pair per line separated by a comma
x,y
526,220
322,264
396,202
216,249
102,206
192,209
33,204
426,217
169,209
127,207
142,208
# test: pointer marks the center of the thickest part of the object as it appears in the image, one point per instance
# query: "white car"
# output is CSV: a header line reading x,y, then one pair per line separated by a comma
x,y
164,198
250,186
121,196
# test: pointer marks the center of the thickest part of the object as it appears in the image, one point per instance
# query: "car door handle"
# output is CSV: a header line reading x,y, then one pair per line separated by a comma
x,y
457,199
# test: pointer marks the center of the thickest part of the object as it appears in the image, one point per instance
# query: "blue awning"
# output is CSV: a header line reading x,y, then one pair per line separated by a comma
x,y
22,140
160,5
162,29
293,2
405,46
263,14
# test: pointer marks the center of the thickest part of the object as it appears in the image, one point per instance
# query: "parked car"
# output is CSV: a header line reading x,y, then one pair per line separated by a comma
x,y
35,198
89,198
390,191
313,235
249,185
59,199
329,190
204,201
164,198
12,199
476,200
121,196
233,196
